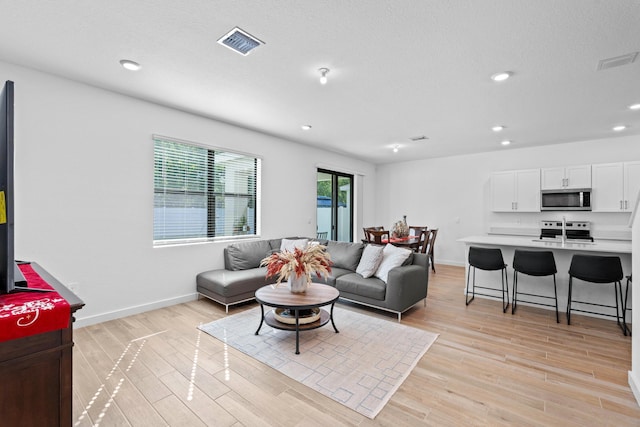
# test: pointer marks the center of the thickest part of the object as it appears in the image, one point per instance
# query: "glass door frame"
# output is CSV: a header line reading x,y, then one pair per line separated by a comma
x,y
335,175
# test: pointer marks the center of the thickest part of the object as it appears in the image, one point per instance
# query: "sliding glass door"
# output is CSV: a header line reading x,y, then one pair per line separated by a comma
x,y
334,217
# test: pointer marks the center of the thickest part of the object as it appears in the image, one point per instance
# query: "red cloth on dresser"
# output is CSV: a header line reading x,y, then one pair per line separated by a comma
x,y
28,313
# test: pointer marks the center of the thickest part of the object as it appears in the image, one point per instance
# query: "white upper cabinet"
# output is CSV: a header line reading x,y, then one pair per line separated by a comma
x,y
615,186
566,177
516,191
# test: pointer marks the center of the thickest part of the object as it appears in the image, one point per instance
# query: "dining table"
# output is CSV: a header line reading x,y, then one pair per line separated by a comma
x,y
410,242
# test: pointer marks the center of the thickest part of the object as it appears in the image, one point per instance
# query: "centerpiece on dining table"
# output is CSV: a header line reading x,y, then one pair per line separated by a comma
x,y
400,229
298,265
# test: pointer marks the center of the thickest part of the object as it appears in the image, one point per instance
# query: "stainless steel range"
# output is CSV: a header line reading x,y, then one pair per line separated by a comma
x,y
572,230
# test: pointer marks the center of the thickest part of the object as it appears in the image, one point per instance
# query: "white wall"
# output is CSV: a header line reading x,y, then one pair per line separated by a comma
x,y
634,374
84,191
453,193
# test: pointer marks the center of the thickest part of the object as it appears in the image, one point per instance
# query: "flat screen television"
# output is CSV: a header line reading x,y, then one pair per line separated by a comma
x,y
11,279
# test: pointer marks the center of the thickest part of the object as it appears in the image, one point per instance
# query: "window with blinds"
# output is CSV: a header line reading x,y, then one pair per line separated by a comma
x,y
201,193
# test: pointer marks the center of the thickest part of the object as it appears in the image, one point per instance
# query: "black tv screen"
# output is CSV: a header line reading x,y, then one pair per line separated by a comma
x,y
7,261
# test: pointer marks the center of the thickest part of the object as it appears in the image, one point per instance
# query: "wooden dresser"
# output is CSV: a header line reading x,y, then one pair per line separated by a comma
x,y
36,372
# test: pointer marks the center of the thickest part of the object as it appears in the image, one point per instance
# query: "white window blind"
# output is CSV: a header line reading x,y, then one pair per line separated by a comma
x,y
201,193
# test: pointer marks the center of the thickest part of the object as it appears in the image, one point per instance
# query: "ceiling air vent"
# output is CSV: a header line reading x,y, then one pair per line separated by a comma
x,y
617,61
240,41
418,138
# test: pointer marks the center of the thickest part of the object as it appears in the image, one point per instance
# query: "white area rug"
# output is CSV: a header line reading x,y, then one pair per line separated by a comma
x,y
360,367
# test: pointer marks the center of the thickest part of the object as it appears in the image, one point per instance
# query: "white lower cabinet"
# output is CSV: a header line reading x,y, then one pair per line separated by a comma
x,y
615,186
516,191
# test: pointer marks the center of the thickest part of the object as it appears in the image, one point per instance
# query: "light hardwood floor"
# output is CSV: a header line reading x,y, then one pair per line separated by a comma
x,y
486,368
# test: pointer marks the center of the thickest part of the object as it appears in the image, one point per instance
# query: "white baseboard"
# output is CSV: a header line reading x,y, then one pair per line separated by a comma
x,y
635,387
450,262
103,317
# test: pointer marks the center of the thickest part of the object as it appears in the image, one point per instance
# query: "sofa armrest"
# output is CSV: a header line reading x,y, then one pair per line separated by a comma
x,y
406,286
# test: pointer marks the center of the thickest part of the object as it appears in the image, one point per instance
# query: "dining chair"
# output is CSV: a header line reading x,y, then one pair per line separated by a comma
x,y
429,246
376,236
366,236
321,234
421,233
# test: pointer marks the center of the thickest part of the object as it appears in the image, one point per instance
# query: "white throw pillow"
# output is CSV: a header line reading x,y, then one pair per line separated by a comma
x,y
290,245
370,260
392,257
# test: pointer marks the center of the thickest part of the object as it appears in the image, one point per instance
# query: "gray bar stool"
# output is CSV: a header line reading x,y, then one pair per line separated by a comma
x,y
534,263
489,260
597,269
626,297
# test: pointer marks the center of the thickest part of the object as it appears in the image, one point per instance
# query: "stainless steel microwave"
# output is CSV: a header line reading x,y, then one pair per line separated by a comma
x,y
566,200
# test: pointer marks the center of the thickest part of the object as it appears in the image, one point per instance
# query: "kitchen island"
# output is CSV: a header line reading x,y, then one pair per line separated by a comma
x,y
562,252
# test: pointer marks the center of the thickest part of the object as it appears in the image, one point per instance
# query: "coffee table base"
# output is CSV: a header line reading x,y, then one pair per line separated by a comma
x,y
270,319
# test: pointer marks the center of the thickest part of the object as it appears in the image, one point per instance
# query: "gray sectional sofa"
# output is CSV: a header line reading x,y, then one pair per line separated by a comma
x,y
242,276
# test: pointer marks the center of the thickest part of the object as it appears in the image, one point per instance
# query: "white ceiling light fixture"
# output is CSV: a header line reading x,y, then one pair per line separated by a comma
x,y
396,148
634,107
306,127
323,75
130,65
498,128
505,142
501,76
619,128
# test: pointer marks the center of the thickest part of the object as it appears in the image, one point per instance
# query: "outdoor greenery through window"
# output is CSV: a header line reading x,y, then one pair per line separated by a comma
x,y
201,193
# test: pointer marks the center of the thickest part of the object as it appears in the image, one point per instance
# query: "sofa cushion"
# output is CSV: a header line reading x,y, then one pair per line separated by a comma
x,y
331,277
371,258
355,284
345,254
229,283
245,255
392,257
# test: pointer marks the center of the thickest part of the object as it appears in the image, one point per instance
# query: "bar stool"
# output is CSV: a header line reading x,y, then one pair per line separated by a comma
x,y
488,260
626,297
534,263
597,269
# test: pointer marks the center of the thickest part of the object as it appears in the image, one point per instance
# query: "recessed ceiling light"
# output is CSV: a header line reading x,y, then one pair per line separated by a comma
x,y
619,128
323,75
634,107
306,127
130,65
505,142
502,76
395,148
497,128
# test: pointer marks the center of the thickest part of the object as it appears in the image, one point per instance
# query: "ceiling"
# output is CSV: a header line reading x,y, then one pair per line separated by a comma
x,y
399,69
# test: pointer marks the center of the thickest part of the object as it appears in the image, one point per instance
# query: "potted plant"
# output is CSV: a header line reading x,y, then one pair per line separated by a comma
x,y
297,267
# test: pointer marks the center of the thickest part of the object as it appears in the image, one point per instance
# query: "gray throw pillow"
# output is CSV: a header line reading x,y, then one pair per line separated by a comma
x,y
245,255
345,254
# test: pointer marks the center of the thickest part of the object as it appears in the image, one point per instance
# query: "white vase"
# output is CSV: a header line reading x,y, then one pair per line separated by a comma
x,y
298,284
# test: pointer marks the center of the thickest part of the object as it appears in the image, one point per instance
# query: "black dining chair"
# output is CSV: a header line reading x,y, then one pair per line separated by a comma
x,y
487,259
597,269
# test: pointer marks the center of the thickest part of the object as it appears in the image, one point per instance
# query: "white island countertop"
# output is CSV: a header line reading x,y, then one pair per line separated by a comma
x,y
612,246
